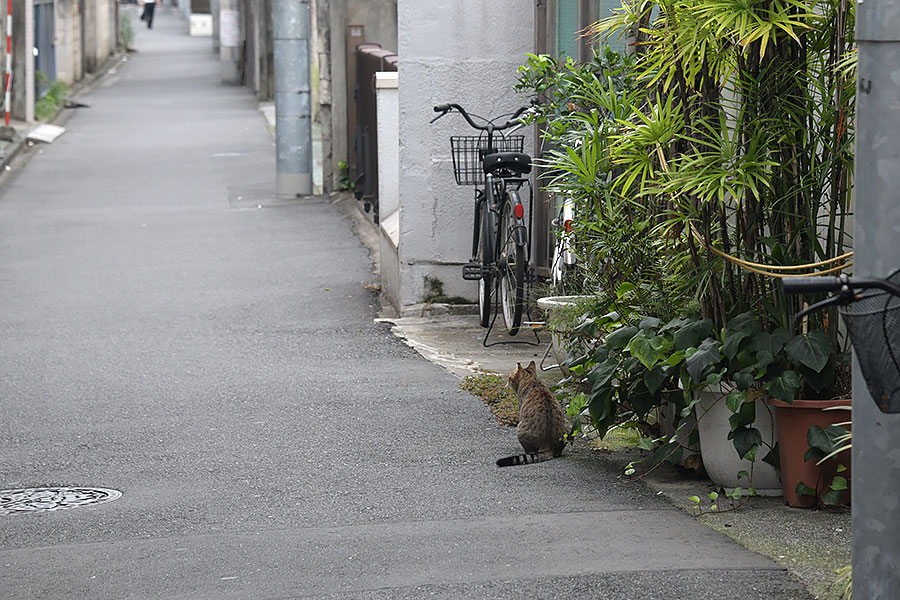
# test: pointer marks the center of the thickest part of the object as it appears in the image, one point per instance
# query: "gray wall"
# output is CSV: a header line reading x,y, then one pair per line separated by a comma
x,y
453,51
99,33
68,41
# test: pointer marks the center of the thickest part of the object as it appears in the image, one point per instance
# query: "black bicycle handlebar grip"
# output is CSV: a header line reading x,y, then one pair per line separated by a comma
x,y
442,108
809,285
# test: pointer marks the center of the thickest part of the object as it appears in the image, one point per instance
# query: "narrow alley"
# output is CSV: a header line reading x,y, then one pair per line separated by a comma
x,y
171,331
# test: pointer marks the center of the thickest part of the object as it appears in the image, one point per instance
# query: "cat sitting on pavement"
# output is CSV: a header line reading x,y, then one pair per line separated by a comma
x,y
542,423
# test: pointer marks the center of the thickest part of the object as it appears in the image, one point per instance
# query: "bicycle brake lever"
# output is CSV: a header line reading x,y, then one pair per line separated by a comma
x,y
838,299
439,116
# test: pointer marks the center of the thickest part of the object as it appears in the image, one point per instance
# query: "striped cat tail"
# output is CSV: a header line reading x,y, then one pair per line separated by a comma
x,y
525,459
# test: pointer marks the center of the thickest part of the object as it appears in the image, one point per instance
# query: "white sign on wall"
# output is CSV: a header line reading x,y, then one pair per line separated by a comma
x,y
229,30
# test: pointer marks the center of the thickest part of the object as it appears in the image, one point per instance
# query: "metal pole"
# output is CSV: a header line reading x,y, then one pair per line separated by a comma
x,y
876,436
28,79
7,100
293,131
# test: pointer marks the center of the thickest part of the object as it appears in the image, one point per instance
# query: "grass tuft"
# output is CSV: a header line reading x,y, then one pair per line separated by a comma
x,y
493,391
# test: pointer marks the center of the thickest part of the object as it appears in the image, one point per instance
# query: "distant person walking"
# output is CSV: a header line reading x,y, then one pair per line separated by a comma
x,y
147,14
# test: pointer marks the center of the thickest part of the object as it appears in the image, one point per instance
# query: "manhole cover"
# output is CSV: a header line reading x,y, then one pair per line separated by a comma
x,y
52,498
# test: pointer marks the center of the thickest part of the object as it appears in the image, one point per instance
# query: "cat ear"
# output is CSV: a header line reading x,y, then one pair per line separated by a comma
x,y
531,367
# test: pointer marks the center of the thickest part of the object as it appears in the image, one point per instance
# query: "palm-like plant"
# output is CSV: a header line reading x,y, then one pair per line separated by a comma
x,y
743,143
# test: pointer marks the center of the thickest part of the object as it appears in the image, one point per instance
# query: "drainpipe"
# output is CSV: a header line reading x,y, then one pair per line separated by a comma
x,y
293,131
876,436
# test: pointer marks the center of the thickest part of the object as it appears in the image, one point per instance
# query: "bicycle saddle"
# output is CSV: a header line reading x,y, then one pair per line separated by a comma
x,y
507,161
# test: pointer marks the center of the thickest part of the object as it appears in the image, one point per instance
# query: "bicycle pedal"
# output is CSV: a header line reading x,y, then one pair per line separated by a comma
x,y
472,271
534,325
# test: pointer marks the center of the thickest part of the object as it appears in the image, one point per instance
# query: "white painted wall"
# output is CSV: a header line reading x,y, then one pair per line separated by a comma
x,y
387,106
459,51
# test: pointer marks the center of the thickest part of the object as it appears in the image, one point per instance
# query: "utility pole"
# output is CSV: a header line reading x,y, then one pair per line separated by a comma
x,y
293,123
876,436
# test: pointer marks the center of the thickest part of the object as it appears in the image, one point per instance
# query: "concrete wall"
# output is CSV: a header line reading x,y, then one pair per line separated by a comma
x,y
454,51
68,41
99,32
17,108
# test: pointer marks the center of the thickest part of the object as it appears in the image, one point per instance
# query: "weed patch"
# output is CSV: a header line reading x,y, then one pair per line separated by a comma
x,y
493,391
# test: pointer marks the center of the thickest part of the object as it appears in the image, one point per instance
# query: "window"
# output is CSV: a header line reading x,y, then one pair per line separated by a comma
x,y
572,16
567,28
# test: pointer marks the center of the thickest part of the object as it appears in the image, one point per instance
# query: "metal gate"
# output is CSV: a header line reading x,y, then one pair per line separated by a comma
x,y
45,56
370,59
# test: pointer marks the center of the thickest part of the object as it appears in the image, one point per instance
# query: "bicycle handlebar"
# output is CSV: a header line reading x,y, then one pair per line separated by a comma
x,y
809,285
843,284
489,126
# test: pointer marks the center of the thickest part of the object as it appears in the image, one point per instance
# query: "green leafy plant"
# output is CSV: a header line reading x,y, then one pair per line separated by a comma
x,y
698,508
126,31
53,99
741,148
582,104
826,444
344,181
626,367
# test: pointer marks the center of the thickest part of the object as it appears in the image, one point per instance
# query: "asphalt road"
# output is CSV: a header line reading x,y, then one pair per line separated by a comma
x,y
169,330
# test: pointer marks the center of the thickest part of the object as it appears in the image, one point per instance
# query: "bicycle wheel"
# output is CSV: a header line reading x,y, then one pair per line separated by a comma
x,y
512,268
486,257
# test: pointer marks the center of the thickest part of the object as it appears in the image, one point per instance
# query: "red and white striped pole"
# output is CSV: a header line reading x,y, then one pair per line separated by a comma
x,y
6,100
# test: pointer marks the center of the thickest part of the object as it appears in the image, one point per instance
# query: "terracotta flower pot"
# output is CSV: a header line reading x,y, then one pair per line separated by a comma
x,y
794,420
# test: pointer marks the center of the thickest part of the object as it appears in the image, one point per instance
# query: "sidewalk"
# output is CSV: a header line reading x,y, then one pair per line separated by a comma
x,y
10,149
811,544
173,331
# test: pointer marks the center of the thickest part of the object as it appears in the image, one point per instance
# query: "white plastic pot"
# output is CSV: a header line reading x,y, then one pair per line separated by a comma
x,y
552,305
720,459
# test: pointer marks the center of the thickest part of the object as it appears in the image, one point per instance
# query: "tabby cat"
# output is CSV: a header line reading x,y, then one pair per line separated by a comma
x,y
542,422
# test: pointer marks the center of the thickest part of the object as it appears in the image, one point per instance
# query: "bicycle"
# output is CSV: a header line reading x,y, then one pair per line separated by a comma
x,y
494,163
866,305
563,263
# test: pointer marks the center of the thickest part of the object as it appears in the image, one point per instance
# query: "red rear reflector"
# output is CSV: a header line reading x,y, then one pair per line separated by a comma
x,y
568,225
519,211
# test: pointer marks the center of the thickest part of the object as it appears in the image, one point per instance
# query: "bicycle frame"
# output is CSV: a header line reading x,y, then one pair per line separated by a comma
x,y
493,196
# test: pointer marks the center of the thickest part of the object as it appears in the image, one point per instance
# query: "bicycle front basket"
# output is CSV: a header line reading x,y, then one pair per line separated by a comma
x,y
874,325
469,152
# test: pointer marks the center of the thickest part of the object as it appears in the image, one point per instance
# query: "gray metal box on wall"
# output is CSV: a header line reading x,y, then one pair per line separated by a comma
x,y
200,7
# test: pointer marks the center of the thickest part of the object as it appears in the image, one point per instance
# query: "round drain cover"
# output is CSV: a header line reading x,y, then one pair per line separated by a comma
x,y
52,498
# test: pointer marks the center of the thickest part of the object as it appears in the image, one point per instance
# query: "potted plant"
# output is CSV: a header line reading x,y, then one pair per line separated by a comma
x,y
747,174
810,432
707,167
